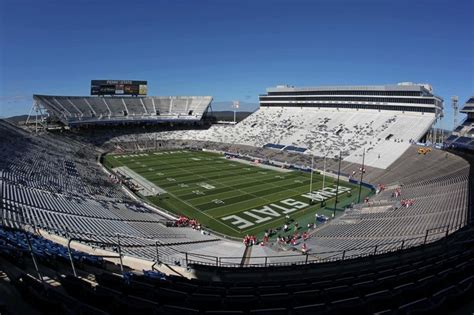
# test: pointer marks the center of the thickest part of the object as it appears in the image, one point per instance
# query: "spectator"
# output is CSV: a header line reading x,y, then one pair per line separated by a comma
x,y
305,236
304,249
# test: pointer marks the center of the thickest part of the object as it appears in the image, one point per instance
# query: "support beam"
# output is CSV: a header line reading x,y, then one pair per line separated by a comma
x,y
154,106
107,105
90,106
144,107
126,108
64,108
40,115
74,105
171,105
40,277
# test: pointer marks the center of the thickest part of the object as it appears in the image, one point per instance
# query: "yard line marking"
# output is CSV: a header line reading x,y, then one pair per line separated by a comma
x,y
210,217
227,186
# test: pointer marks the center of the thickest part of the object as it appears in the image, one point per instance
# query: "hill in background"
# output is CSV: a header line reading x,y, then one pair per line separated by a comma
x,y
18,119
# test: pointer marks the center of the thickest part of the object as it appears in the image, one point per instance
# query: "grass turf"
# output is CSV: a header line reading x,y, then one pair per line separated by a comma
x,y
217,191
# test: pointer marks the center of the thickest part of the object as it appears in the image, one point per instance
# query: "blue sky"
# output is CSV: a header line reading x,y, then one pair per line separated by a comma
x,y
232,49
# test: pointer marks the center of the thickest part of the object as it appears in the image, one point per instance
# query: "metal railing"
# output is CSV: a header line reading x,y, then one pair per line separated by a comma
x,y
431,235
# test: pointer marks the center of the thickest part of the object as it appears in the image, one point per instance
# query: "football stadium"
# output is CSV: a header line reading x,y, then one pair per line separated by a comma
x,y
236,157
321,201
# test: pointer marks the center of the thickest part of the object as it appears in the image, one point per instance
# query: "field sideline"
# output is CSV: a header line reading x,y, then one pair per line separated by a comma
x,y
230,197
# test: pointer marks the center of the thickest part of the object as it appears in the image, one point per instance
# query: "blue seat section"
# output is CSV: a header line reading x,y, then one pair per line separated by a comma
x,y
462,143
450,139
463,140
296,149
274,146
12,241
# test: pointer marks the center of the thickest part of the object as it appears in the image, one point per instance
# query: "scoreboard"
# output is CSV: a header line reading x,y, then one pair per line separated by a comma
x,y
118,87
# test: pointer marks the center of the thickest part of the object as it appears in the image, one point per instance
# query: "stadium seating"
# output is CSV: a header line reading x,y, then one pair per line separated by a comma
x,y
384,135
75,199
59,192
465,128
435,279
54,185
80,110
438,280
439,188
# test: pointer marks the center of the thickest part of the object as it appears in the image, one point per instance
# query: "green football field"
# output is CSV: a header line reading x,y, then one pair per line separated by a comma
x,y
232,197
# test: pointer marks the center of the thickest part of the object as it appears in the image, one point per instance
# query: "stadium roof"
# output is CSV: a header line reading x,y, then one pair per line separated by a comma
x,y
77,110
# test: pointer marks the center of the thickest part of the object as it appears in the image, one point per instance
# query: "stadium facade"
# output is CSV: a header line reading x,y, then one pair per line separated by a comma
x,y
403,97
397,115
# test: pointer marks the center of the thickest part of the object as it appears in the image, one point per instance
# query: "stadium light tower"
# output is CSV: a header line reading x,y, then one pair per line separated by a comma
x,y
324,167
311,178
337,187
441,127
235,106
361,175
454,104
